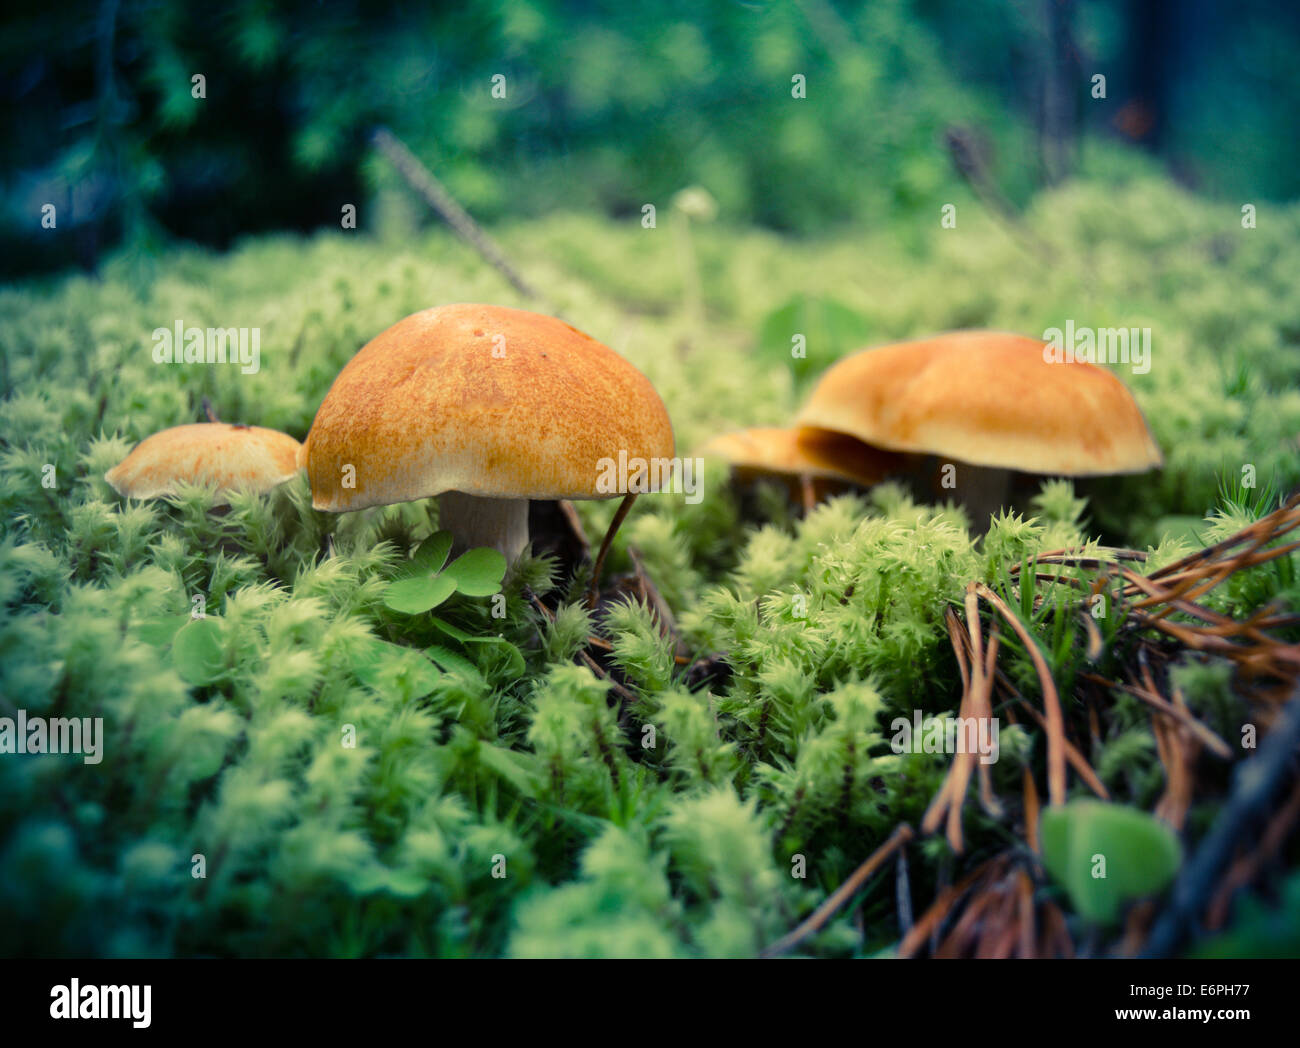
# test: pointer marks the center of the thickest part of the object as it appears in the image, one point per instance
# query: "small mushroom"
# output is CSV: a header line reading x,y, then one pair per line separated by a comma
x,y
215,454
988,403
811,460
486,408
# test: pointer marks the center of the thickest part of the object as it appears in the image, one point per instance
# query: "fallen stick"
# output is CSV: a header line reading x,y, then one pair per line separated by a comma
x,y
901,835
421,179
593,591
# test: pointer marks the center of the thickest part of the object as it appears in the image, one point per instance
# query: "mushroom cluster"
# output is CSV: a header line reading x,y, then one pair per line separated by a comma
x,y
958,414
486,408
480,406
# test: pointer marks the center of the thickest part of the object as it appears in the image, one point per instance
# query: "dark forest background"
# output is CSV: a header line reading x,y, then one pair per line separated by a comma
x,y
610,104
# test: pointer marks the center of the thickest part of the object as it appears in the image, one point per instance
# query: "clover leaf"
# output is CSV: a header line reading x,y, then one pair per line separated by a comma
x,y
478,573
198,652
1106,855
426,580
418,594
830,330
432,553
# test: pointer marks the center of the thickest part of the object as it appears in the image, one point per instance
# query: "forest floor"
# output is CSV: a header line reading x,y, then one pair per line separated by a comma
x,y
517,787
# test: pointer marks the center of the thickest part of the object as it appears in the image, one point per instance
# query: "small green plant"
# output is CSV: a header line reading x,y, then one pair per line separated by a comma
x,y
427,580
197,651
808,333
1107,855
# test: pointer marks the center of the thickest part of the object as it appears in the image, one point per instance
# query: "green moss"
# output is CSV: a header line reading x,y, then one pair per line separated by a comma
x,y
362,781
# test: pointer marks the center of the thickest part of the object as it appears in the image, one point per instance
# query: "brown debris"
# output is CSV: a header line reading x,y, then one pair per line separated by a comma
x,y
994,910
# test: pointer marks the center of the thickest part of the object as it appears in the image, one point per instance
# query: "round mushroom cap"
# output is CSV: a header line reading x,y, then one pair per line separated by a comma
x,y
488,401
214,454
989,399
816,453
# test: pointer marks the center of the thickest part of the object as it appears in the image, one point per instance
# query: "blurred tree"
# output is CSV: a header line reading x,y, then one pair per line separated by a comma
x,y
526,106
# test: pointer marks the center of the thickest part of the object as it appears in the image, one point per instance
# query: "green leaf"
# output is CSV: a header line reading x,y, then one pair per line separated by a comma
x,y
197,651
1106,855
455,632
478,573
449,660
432,552
416,595
428,559
160,632
830,329
514,657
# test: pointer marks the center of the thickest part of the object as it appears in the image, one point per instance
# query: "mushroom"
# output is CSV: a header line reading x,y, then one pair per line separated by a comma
x,y
989,401
221,455
812,459
486,408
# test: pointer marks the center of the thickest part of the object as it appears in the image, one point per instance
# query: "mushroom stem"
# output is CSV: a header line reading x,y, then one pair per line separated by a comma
x,y
987,492
475,521
808,492
982,491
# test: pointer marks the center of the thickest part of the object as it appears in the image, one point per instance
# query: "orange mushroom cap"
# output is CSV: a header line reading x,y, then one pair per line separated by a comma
x,y
488,401
816,453
215,454
989,399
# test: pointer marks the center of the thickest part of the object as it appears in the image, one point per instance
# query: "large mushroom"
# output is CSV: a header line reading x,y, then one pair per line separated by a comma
x,y
220,455
809,461
986,404
485,408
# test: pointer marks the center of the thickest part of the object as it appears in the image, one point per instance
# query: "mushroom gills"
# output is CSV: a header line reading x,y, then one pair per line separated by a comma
x,y
476,521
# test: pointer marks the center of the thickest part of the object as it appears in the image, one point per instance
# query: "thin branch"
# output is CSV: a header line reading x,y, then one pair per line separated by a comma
x,y
901,835
619,516
435,194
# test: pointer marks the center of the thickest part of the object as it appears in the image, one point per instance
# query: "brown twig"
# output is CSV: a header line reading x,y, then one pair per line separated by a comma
x,y
1073,756
1182,715
901,835
1253,787
1247,868
620,514
421,179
